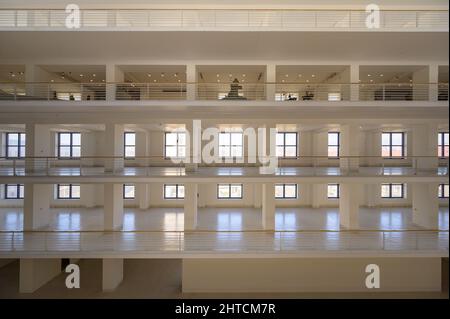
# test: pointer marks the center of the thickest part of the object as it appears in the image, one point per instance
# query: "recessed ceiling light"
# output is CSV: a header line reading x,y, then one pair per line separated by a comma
x,y
313,75
218,80
217,75
52,80
175,75
299,75
244,75
162,74
149,75
81,75
286,75
94,75
230,75
381,75
179,80
103,80
307,81
91,80
154,80
371,80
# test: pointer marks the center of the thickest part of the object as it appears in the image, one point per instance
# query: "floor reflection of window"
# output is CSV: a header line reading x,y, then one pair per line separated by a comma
x,y
332,220
173,221
129,221
391,220
229,221
68,221
285,221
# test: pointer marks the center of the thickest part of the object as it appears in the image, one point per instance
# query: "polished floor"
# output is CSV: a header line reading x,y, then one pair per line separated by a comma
x,y
220,171
153,278
220,219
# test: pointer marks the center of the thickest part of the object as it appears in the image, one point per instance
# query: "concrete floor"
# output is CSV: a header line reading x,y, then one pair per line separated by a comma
x,y
172,219
153,278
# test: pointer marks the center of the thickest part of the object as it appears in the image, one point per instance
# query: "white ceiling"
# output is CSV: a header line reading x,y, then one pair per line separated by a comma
x,y
127,47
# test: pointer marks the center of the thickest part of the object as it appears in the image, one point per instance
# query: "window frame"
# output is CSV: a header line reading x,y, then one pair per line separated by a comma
x,y
442,145
230,197
330,145
284,191
18,146
230,145
71,145
403,146
125,146
177,145
284,144
20,191
390,185
124,193
58,193
441,191
177,187
338,191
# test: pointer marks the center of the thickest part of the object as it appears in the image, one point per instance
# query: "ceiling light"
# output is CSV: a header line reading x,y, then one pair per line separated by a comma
x,y
313,75
179,80
299,75
217,74
369,75
381,75
286,75
81,75
52,80
94,75
282,80
91,80
149,75
230,75
154,80
244,75
162,74
371,80
175,75
307,81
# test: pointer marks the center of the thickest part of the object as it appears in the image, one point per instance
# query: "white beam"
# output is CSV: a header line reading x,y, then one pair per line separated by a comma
x,y
190,205
113,206
350,197
36,206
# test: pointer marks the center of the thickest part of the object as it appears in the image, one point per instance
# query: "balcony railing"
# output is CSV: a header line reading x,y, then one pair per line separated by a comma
x,y
149,166
224,19
280,91
228,242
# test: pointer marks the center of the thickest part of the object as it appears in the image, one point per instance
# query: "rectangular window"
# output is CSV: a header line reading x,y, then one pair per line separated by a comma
x,y
129,191
14,191
129,144
392,144
333,191
175,144
287,144
443,144
231,144
15,145
392,191
333,144
69,145
229,191
443,191
286,191
173,191
334,96
68,191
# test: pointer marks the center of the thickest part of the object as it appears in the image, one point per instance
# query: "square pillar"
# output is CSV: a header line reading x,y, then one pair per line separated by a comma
x,y
113,76
38,146
143,193
425,204
35,273
271,78
36,206
425,143
315,194
268,206
190,205
350,147
112,274
354,80
113,206
433,76
420,86
193,145
191,78
142,148
350,198
114,147
267,149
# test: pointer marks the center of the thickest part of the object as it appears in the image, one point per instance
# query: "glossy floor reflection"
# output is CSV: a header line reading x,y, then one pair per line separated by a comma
x,y
220,219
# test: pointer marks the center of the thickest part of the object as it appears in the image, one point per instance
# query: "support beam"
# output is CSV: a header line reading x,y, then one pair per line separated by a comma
x,y
350,147
36,206
424,143
38,146
349,200
193,145
191,78
271,78
113,75
34,273
114,142
268,206
143,194
425,204
190,205
112,274
433,76
354,80
113,206
142,148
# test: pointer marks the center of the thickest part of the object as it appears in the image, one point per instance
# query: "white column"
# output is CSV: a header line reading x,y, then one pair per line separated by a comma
x,y
113,75
350,197
193,145
425,204
112,274
420,80
354,80
31,78
35,273
142,148
268,206
38,144
271,78
143,193
36,206
114,147
424,143
433,78
190,205
349,140
191,78
315,194
113,206
88,194
268,151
